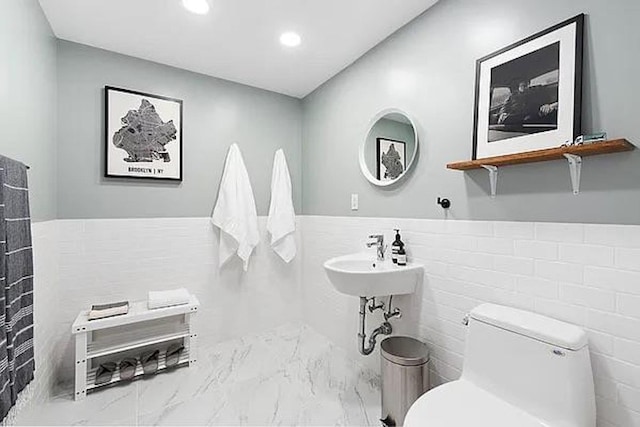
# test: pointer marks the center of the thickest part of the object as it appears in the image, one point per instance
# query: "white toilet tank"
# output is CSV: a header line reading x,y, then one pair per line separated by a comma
x,y
536,363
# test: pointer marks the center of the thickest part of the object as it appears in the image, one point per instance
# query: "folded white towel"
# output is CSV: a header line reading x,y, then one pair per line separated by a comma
x,y
159,299
235,212
282,217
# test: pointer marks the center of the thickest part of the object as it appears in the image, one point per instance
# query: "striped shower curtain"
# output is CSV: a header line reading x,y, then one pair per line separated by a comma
x,y
16,284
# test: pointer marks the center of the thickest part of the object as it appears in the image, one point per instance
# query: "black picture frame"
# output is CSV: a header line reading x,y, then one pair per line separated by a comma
x,y
108,90
578,21
379,142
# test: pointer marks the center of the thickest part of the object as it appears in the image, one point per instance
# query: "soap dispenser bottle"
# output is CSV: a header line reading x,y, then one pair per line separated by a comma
x,y
402,256
395,246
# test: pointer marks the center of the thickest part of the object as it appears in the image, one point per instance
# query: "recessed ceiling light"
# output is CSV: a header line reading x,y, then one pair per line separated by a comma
x,y
290,39
199,7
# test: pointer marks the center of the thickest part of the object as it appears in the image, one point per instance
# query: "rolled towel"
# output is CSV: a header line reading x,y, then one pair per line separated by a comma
x,y
172,355
159,299
128,367
149,362
105,373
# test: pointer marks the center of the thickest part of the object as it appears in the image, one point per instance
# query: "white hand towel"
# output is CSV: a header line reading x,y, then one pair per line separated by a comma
x,y
235,212
282,217
159,299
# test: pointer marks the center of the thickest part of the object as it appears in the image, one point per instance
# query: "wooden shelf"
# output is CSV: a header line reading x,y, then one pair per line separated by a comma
x,y
573,154
605,147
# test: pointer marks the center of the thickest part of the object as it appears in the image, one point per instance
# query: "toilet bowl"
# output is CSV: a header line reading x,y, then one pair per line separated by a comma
x,y
521,369
461,403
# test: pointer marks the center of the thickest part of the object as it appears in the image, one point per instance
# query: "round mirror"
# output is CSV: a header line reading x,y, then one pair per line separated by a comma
x,y
389,150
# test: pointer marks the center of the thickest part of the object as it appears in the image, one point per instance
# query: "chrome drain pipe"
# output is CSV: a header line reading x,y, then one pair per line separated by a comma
x,y
384,329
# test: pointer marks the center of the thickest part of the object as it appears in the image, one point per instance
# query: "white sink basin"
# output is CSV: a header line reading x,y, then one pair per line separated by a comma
x,y
362,276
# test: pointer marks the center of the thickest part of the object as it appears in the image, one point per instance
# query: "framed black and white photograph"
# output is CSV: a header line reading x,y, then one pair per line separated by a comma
x,y
391,159
143,135
529,94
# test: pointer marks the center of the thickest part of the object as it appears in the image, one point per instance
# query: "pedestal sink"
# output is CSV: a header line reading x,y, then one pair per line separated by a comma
x,y
361,275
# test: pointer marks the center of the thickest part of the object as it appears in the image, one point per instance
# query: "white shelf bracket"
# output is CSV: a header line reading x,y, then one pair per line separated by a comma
x,y
493,178
575,168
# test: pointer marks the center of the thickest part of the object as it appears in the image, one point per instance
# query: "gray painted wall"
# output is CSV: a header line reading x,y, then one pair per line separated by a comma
x,y
216,114
28,99
427,69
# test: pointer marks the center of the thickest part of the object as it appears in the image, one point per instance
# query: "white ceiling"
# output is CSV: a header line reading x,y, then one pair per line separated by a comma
x,y
239,39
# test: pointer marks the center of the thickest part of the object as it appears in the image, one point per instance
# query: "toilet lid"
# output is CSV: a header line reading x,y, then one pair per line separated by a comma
x,y
462,404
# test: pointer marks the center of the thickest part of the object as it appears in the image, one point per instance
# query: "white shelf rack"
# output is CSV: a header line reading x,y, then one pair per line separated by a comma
x,y
91,373
113,338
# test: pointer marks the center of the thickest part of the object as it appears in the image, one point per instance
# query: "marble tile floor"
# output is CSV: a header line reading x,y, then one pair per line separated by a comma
x,y
288,376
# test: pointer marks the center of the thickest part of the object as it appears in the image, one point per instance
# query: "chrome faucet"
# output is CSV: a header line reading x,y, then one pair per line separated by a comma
x,y
379,244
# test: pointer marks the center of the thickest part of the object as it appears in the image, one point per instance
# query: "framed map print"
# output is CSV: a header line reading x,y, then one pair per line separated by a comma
x,y
143,135
391,159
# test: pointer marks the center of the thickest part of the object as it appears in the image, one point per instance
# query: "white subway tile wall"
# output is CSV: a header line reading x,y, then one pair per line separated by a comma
x,y
585,274
581,273
113,260
46,301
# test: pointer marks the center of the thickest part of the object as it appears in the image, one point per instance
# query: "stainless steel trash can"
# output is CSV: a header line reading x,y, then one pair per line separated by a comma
x,y
405,376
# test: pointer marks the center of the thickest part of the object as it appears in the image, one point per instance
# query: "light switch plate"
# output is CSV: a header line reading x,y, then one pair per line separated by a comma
x,y
354,202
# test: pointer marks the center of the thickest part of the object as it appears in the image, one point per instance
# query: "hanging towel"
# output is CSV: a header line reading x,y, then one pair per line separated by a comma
x,y
282,217
235,212
16,291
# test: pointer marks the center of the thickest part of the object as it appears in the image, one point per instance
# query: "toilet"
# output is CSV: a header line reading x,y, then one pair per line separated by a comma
x,y
520,370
